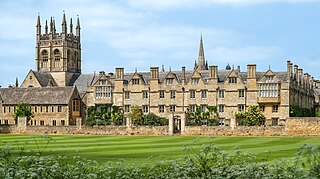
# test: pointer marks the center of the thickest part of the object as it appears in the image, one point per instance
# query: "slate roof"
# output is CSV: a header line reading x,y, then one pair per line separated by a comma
x,y
86,80
44,78
47,95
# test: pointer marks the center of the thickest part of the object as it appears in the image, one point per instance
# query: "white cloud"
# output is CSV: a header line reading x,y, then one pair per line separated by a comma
x,y
172,4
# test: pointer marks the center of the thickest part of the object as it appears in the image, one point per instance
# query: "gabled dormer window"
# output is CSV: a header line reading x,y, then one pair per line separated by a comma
x,y
269,79
195,81
169,81
233,80
102,82
135,81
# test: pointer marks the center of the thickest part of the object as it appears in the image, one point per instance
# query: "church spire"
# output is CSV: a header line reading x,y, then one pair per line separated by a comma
x,y
201,59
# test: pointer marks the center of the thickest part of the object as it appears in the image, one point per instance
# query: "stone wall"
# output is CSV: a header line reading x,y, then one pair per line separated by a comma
x,y
237,131
95,130
303,126
293,127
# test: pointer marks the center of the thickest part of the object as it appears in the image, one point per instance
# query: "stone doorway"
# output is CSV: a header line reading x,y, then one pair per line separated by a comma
x,y
177,124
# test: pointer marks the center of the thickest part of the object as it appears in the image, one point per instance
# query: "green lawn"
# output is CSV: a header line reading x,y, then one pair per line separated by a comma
x,y
138,150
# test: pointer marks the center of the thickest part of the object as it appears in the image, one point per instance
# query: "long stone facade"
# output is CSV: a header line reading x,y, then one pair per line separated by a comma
x,y
167,92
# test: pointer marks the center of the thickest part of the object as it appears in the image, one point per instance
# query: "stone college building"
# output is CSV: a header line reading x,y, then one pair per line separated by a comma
x,y
59,93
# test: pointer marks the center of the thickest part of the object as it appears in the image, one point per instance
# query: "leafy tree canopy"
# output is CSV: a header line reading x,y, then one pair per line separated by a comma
x,y
23,110
252,116
135,114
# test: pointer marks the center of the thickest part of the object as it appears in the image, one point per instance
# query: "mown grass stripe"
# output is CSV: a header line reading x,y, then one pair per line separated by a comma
x,y
138,149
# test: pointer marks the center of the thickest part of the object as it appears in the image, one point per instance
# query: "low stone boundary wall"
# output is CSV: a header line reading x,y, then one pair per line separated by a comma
x,y
293,127
237,131
303,126
95,130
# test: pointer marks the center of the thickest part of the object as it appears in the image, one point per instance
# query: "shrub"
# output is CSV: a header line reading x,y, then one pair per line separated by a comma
x,y
102,115
296,111
206,162
152,119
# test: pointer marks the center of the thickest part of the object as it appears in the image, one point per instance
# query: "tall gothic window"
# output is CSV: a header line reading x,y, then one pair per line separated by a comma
x,y
69,57
74,61
44,57
57,57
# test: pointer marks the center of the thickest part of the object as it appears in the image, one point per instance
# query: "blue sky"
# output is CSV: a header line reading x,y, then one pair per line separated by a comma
x,y
143,33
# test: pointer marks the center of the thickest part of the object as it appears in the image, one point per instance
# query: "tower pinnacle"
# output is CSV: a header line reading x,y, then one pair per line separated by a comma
x,y
46,27
78,27
71,26
64,23
38,25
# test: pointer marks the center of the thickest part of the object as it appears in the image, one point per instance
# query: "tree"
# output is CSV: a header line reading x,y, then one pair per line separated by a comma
x,y
199,116
116,115
250,117
136,115
23,110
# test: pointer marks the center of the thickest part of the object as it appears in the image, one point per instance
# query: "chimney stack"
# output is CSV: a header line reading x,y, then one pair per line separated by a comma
x,y
154,73
251,71
300,72
296,72
289,69
183,75
213,71
119,73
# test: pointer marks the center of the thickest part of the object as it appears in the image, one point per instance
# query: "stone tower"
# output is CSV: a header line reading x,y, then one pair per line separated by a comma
x,y
59,54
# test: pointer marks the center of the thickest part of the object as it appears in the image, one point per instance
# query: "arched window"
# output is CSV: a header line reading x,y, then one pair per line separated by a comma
x,y
69,56
75,60
57,57
44,59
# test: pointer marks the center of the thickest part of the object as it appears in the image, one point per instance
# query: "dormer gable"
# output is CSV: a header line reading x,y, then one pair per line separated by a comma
x,y
170,78
50,83
103,80
232,78
269,77
137,79
195,78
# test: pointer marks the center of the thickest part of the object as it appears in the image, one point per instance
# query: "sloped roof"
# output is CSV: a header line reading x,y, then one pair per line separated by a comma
x,y
84,81
44,78
47,95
